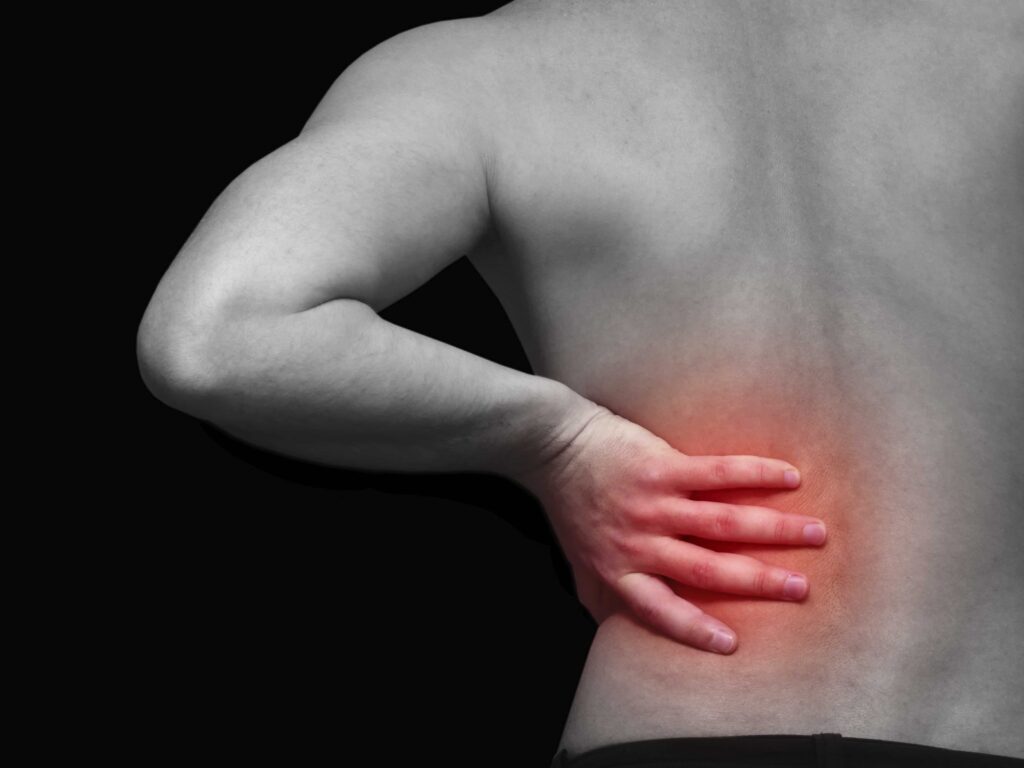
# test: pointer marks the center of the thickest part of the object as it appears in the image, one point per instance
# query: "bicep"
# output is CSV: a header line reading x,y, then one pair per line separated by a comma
x,y
383,188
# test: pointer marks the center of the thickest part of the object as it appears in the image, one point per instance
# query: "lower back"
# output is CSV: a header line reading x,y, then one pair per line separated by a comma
x,y
908,631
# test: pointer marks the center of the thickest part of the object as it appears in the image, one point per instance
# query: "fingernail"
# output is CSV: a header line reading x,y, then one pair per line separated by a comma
x,y
795,587
814,533
722,641
792,477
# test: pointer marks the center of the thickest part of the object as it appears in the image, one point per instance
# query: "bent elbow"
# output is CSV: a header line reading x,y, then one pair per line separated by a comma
x,y
174,366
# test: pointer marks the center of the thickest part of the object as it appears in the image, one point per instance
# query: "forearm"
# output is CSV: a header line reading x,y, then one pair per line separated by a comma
x,y
339,385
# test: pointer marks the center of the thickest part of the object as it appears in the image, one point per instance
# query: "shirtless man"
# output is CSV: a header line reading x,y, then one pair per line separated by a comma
x,y
734,238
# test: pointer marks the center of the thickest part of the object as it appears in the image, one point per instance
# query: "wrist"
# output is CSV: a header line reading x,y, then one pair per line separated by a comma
x,y
565,416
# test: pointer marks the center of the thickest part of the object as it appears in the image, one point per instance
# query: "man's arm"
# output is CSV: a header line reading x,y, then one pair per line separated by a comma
x,y
266,323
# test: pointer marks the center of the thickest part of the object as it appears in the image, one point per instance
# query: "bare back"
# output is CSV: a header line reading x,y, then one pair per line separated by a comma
x,y
796,231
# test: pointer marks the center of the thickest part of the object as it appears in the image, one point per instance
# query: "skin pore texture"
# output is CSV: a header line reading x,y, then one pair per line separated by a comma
x,y
793,231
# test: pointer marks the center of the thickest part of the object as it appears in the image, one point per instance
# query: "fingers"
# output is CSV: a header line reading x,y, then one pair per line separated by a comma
x,y
725,571
736,522
655,604
706,473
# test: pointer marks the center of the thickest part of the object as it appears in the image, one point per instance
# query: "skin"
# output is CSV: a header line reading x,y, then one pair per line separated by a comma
x,y
730,236
620,499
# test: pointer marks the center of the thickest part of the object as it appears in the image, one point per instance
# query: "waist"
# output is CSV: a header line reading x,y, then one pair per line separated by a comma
x,y
907,687
795,750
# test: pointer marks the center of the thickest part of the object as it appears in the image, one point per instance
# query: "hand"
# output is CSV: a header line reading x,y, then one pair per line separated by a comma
x,y
618,498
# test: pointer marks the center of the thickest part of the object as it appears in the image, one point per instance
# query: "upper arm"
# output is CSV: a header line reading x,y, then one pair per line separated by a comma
x,y
385,186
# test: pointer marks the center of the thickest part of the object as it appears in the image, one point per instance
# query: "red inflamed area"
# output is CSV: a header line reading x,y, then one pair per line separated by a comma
x,y
835,486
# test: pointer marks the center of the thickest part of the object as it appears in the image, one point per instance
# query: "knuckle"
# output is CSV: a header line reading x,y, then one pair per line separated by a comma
x,y
630,547
694,630
605,572
654,473
761,585
703,573
725,522
643,514
780,528
647,610
720,469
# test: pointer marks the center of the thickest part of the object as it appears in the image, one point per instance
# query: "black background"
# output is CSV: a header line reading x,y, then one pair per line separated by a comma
x,y
279,609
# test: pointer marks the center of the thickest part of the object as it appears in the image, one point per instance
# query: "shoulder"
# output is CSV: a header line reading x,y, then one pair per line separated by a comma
x,y
456,85
445,71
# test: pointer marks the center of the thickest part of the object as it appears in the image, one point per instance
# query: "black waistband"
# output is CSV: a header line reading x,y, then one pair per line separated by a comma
x,y
819,750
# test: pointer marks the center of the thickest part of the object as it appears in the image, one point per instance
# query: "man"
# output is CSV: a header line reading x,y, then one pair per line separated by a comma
x,y
735,239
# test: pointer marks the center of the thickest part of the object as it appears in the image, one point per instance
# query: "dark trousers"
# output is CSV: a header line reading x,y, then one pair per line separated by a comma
x,y
820,750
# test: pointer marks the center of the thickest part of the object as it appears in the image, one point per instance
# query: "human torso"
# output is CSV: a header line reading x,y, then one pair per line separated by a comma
x,y
795,231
